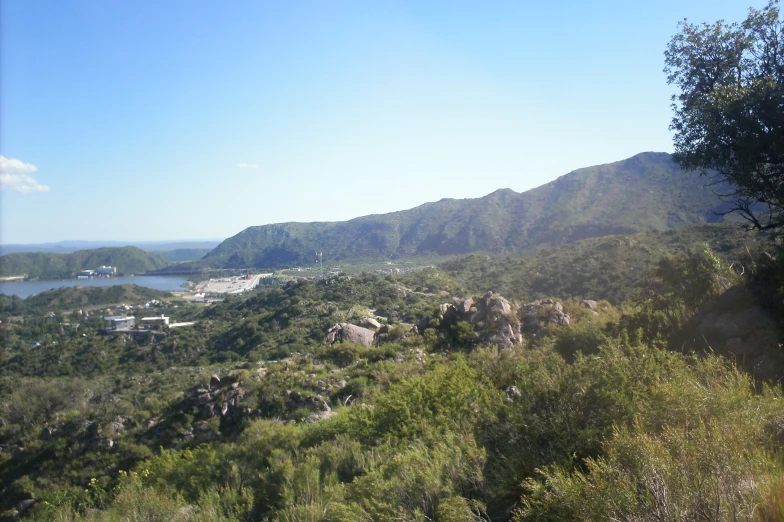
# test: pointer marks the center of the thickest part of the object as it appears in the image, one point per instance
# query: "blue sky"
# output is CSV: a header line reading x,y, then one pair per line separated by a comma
x,y
172,120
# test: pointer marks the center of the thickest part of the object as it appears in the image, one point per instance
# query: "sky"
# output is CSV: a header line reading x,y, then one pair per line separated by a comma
x,y
179,120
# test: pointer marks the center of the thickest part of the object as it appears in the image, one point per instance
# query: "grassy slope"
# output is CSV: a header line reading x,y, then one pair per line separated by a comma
x,y
128,260
645,192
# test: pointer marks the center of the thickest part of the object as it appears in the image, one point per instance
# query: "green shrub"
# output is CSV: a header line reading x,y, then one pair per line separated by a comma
x,y
423,482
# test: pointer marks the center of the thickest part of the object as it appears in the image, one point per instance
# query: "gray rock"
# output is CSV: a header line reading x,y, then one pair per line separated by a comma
x,y
369,323
385,329
559,318
344,332
512,392
590,304
215,381
498,306
319,416
24,505
737,323
734,345
464,305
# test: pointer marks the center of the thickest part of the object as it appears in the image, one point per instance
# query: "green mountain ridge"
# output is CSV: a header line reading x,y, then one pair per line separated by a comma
x,y
645,192
127,260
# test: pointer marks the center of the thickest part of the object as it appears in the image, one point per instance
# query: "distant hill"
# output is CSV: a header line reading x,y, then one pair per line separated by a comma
x,y
127,260
68,247
183,254
614,268
76,297
645,192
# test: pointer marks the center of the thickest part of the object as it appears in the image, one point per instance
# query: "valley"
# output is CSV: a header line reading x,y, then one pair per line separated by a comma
x,y
392,262
332,375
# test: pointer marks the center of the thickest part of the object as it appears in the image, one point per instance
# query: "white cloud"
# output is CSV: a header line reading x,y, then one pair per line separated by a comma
x,y
244,165
15,175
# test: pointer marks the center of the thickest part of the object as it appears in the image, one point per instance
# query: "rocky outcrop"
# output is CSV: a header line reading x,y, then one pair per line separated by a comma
x,y
398,332
318,404
493,317
223,398
215,401
345,332
538,314
324,413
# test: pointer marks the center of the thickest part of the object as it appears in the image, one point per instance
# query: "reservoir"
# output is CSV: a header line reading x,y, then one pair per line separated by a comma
x,y
27,288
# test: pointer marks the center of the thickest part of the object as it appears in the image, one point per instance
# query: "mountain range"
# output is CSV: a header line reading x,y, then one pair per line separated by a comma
x,y
645,192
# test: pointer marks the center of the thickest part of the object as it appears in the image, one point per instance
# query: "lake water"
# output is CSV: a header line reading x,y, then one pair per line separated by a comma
x,y
27,288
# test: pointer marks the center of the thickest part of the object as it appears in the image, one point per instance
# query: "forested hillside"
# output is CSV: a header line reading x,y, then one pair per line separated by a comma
x,y
72,298
614,268
127,260
645,192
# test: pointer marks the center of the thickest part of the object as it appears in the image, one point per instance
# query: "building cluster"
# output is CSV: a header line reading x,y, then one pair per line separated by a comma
x,y
101,271
127,323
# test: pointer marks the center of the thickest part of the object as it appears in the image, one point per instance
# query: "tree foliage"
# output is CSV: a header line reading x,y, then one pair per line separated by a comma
x,y
729,114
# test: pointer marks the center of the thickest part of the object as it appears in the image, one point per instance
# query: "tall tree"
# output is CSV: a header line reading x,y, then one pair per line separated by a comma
x,y
729,115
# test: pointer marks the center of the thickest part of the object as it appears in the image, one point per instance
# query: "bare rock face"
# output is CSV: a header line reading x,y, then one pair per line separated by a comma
x,y
345,332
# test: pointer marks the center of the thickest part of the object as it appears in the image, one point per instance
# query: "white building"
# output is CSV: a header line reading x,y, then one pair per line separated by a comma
x,y
120,322
149,322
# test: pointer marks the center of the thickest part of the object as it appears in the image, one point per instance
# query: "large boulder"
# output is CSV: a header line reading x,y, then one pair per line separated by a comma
x,y
464,305
369,323
589,303
345,332
736,325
